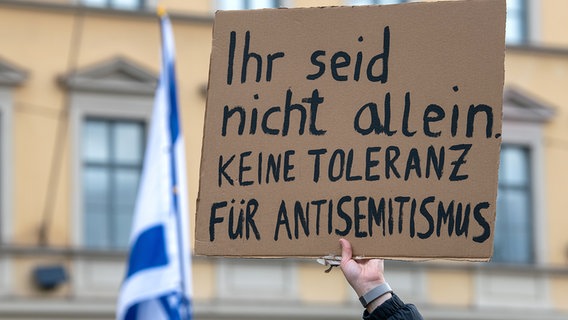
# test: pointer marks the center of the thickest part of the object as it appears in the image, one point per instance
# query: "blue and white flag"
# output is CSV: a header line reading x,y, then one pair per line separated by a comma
x,y
157,284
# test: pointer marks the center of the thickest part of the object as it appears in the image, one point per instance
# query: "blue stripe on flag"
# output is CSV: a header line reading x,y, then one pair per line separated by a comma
x,y
169,72
171,308
132,313
148,251
172,92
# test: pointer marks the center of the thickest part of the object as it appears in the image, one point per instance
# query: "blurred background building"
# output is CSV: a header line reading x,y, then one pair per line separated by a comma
x,y
77,79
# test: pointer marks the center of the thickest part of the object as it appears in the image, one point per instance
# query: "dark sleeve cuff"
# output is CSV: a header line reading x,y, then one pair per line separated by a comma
x,y
393,309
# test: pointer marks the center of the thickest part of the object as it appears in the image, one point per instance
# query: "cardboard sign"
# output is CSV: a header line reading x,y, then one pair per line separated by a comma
x,y
380,124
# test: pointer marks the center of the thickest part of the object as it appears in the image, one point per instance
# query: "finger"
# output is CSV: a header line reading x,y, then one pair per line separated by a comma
x,y
346,250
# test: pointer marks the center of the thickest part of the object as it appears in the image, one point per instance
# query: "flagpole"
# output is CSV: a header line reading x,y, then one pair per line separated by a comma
x,y
156,286
174,127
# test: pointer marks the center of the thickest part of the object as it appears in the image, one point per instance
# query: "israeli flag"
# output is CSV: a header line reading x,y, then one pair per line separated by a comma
x,y
157,283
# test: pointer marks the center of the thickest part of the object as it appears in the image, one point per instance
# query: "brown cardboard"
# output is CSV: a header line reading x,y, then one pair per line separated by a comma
x,y
442,62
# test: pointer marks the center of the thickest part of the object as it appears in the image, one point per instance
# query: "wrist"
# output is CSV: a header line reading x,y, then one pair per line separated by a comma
x,y
377,302
362,288
376,296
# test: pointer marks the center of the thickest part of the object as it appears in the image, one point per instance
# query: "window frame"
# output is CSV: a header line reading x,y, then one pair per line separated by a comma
x,y
110,4
116,87
10,76
530,136
524,121
497,285
6,167
98,105
246,5
113,167
525,25
530,189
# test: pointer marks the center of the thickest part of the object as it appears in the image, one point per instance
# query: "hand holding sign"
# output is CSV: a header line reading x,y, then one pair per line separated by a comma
x,y
362,275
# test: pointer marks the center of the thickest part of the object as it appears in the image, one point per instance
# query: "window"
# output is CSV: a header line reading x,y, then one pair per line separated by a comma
x,y
513,241
369,2
110,107
11,76
247,4
1,174
115,4
521,198
112,163
2,200
517,16
111,104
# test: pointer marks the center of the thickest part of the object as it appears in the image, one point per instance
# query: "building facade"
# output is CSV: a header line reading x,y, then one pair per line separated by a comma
x,y
77,79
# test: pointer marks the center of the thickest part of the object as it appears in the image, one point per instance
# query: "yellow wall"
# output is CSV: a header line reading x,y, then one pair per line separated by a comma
x,y
37,108
317,286
449,287
203,278
203,7
553,22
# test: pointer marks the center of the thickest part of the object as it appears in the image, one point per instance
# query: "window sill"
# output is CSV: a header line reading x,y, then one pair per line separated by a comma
x,y
32,250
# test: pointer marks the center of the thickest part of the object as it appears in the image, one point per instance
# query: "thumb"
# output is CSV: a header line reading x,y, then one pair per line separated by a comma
x,y
346,250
